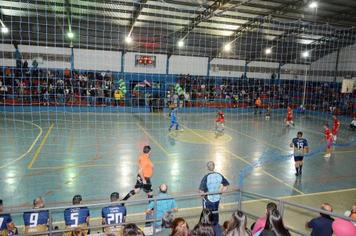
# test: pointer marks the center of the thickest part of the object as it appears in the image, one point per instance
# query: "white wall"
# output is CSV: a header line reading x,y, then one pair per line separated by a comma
x,y
188,65
228,62
161,63
37,49
97,60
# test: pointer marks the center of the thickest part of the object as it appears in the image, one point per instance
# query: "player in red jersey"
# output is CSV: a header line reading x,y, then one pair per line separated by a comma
x,y
219,122
336,127
329,140
289,118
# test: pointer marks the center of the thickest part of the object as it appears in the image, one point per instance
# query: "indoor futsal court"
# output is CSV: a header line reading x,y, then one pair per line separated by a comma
x,y
240,113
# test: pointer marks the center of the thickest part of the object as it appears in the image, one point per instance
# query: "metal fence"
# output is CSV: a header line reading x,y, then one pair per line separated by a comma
x,y
236,196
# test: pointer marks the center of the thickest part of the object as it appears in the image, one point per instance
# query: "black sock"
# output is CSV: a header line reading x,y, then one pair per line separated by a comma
x,y
300,169
149,196
297,169
131,193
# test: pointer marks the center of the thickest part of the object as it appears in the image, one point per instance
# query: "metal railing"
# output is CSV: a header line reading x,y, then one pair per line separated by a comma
x,y
236,193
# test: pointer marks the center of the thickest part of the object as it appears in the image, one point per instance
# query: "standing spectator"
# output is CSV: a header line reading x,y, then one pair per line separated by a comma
x,y
77,217
7,227
18,57
164,206
274,225
213,182
261,222
36,221
114,214
237,226
322,225
180,227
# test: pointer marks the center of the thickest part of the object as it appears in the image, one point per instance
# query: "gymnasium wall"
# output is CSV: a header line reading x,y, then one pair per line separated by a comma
x,y
57,57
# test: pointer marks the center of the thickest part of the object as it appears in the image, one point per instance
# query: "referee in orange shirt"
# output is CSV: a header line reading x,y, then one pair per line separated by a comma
x,y
145,172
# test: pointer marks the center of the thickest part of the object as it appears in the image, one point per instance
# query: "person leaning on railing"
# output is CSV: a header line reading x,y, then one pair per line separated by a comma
x,y
213,182
7,226
322,224
36,221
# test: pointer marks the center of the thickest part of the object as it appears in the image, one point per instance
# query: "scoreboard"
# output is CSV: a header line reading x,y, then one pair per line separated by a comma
x,y
145,60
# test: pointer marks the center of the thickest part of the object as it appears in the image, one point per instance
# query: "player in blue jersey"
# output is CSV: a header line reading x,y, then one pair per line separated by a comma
x,y
300,146
7,227
113,215
174,119
77,217
36,221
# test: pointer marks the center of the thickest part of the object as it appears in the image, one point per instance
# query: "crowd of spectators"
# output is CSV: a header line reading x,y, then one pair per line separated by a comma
x,y
35,86
322,96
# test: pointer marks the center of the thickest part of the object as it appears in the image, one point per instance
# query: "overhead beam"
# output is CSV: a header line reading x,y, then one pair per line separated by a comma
x,y
135,14
203,16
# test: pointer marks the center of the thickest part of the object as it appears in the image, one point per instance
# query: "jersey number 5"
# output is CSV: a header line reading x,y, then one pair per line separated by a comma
x,y
74,216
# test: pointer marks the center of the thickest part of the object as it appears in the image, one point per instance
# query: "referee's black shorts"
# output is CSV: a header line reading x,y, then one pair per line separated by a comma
x,y
298,158
147,188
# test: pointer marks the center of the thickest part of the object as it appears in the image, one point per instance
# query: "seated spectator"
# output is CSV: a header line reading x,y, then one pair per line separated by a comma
x,y
132,230
164,206
237,225
206,220
353,124
180,227
274,225
261,222
114,214
36,221
322,224
203,230
77,217
7,227
343,227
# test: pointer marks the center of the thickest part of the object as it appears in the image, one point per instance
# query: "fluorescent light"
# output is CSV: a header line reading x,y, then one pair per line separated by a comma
x,y
227,47
128,39
4,30
70,35
268,51
180,43
313,5
305,54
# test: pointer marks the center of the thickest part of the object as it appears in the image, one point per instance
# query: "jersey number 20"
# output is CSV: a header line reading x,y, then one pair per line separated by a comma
x,y
114,218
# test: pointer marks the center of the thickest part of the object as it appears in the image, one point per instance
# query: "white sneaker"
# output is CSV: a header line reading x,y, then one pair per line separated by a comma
x,y
327,155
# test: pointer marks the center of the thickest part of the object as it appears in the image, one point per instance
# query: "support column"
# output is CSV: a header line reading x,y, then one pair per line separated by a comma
x,y
209,66
279,71
123,61
167,63
72,58
337,64
245,69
